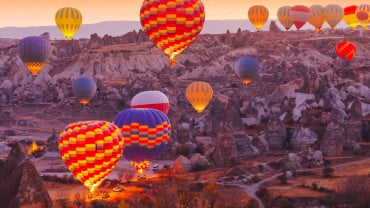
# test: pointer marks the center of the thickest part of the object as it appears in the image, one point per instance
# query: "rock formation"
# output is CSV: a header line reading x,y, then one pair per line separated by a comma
x,y
332,143
273,27
303,138
20,183
275,132
354,125
232,148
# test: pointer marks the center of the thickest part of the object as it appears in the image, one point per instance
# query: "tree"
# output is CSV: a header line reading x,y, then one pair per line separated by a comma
x,y
327,172
211,192
129,176
123,204
79,201
120,176
185,198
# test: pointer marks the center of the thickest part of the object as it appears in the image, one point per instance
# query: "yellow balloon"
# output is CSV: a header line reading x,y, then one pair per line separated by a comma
x,y
333,14
318,16
258,16
68,20
350,16
284,17
199,94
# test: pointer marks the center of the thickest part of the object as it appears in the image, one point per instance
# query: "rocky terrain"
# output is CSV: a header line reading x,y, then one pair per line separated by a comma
x,y
304,105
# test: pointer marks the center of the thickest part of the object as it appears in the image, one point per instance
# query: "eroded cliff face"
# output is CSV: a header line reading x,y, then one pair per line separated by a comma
x,y
300,83
20,183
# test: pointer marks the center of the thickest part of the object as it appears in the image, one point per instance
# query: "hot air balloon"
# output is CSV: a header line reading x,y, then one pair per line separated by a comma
x,y
90,150
350,16
84,89
68,20
284,17
318,17
151,99
300,14
172,25
363,14
34,51
333,14
346,50
145,132
199,94
247,68
258,16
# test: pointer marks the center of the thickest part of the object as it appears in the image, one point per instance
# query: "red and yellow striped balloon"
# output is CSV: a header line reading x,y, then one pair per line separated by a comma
x,y
90,150
172,25
346,49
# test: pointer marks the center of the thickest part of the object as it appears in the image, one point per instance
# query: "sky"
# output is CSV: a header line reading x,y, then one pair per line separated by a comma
x,y
25,13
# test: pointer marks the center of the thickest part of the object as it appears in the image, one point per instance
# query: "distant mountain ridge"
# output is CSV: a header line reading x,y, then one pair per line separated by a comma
x,y
117,28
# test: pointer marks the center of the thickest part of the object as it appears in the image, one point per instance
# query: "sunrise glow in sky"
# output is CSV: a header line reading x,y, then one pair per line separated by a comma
x,y
24,13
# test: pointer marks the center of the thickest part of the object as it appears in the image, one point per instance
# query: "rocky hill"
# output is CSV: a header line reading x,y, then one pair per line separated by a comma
x,y
304,95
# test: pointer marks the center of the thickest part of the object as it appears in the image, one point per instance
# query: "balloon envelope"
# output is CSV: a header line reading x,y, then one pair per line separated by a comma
x,y
363,14
34,51
284,17
350,16
346,50
84,89
68,20
318,16
90,150
172,25
300,14
151,99
247,68
145,132
258,16
199,94
333,14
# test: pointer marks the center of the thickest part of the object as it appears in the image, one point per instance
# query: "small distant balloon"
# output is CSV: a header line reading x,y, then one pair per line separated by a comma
x,y
284,17
363,14
258,15
300,15
346,50
333,14
84,89
247,68
318,16
199,94
34,51
350,16
151,99
68,20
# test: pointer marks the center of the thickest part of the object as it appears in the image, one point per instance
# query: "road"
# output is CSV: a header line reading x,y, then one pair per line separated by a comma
x,y
252,189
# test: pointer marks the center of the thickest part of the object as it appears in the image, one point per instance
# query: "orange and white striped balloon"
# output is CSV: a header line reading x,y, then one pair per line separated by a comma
x,y
300,14
90,150
333,14
284,17
318,16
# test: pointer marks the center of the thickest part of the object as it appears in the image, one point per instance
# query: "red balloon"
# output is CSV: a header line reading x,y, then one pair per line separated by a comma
x,y
346,49
300,15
